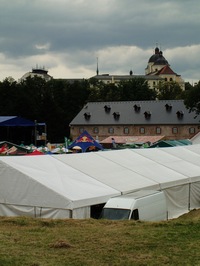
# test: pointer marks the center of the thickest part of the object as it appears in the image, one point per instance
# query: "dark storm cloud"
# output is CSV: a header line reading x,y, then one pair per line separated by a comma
x,y
80,29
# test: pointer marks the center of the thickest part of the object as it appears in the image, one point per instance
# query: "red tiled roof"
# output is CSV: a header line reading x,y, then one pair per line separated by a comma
x,y
166,70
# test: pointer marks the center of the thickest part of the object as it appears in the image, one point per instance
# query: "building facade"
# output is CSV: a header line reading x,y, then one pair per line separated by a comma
x,y
157,70
159,66
37,72
168,118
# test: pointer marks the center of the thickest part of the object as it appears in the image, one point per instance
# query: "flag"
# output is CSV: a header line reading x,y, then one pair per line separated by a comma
x,y
67,142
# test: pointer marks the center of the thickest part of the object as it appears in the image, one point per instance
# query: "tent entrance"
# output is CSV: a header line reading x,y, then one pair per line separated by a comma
x,y
96,210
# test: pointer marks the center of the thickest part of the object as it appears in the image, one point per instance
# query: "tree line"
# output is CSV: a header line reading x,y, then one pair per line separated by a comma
x,y
58,101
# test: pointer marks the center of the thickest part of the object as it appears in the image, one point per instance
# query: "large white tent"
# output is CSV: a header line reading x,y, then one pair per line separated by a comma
x,y
67,185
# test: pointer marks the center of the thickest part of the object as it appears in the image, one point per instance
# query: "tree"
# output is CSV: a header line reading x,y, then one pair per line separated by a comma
x,y
95,88
130,90
9,95
136,89
192,99
30,98
169,91
188,86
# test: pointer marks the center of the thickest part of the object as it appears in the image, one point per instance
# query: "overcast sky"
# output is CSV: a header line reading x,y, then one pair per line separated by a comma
x,y
67,36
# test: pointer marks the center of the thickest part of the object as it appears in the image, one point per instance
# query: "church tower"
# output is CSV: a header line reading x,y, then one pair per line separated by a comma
x,y
158,66
156,62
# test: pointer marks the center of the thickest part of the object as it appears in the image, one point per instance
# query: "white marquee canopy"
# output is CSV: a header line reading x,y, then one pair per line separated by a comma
x,y
67,185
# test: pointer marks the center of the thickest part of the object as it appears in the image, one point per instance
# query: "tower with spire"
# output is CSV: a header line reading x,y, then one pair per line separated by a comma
x,y
158,66
97,67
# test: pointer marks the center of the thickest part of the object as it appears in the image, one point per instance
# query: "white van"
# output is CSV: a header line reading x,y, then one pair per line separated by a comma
x,y
146,205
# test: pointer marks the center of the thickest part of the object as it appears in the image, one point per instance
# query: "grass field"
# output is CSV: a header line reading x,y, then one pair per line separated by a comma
x,y
34,242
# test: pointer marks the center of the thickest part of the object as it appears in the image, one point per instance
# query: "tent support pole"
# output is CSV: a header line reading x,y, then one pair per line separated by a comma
x,y
189,196
35,133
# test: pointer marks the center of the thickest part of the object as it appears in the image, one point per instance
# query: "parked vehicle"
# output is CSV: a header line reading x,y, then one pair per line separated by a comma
x,y
144,205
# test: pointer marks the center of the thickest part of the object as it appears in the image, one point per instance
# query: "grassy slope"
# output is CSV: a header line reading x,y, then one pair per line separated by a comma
x,y
26,241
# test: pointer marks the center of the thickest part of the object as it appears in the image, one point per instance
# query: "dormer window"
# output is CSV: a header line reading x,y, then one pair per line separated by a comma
x,y
137,107
107,108
116,115
147,114
168,106
180,114
87,115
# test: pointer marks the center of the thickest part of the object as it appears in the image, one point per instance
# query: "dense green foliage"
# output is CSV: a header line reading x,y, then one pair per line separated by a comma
x,y
55,102
192,98
170,91
58,101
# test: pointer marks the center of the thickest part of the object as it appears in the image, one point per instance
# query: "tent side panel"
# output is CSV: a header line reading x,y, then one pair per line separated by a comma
x,y
51,213
81,213
35,212
177,200
195,195
16,210
20,189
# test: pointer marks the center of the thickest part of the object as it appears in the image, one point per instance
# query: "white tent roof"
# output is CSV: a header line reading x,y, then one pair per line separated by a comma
x,y
71,181
181,160
127,170
108,170
46,181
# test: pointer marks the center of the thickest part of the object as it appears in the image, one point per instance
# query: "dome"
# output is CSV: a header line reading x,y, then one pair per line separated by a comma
x,y
160,60
155,56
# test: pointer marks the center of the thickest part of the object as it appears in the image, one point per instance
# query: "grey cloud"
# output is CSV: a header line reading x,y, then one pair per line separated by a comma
x,y
87,26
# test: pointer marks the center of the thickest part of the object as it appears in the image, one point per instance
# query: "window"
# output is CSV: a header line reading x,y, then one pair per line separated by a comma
x,y
158,130
137,107
147,114
116,115
96,130
142,130
107,108
174,130
81,129
191,130
135,215
126,130
111,130
115,214
168,106
165,79
87,115
180,114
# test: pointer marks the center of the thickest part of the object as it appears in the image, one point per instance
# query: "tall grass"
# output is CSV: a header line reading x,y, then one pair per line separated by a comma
x,y
41,242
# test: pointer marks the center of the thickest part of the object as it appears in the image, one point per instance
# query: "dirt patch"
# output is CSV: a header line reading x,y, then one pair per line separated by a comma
x,y
60,244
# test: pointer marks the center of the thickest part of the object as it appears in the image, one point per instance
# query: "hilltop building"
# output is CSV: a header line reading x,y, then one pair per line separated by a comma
x,y
157,70
159,66
37,72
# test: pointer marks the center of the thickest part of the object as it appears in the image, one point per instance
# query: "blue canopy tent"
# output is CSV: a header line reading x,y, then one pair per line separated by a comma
x,y
17,129
85,141
13,121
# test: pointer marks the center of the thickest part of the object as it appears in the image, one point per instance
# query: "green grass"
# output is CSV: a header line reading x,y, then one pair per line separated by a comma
x,y
41,242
